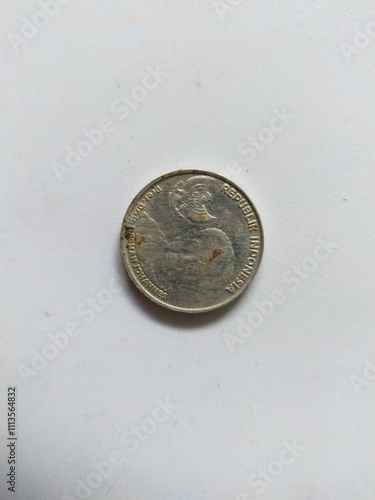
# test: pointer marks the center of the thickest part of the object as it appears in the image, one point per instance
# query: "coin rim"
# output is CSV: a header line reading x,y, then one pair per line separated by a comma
x,y
129,268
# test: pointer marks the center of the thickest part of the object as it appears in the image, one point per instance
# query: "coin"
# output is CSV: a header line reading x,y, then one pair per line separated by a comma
x,y
191,241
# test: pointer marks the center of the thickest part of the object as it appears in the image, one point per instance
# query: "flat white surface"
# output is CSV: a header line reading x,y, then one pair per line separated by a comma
x,y
306,374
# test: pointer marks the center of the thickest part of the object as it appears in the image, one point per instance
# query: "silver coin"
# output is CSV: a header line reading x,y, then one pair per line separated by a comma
x,y
191,241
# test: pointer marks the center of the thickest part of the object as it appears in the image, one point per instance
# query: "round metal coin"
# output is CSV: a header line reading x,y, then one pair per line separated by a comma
x,y
191,241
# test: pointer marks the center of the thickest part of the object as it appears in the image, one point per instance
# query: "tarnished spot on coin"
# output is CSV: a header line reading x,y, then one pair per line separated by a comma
x,y
191,241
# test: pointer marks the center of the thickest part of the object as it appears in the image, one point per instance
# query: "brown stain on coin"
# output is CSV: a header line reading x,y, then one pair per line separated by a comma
x,y
215,253
139,240
202,265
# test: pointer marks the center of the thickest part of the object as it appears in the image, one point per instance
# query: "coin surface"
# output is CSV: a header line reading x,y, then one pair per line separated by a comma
x,y
191,241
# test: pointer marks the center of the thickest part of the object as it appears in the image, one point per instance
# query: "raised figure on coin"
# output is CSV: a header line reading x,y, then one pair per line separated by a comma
x,y
200,258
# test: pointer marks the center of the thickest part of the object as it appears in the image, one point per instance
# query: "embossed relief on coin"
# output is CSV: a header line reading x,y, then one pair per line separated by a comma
x,y
201,258
191,237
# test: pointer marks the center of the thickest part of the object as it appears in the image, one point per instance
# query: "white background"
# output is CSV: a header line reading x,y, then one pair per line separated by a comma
x,y
306,374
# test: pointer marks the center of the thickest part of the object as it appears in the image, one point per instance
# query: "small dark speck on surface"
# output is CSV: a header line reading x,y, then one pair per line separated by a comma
x,y
128,233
